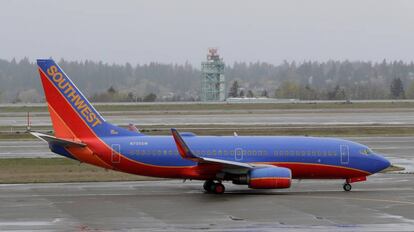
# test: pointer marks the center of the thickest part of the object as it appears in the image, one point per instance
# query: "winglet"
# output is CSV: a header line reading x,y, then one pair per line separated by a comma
x,y
182,147
186,153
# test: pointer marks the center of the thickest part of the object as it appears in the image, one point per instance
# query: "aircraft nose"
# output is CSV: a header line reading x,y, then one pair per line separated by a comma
x,y
381,162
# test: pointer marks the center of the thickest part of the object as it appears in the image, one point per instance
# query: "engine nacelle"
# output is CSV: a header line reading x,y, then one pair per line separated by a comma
x,y
269,178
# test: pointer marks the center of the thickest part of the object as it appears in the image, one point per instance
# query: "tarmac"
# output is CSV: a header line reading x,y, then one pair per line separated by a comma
x,y
236,117
384,203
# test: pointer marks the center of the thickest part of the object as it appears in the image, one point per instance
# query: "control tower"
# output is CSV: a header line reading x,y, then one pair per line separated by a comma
x,y
213,83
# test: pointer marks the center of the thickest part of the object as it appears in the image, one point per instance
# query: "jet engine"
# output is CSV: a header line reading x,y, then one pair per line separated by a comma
x,y
266,178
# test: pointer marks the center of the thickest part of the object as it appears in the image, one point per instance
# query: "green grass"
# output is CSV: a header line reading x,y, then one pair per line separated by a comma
x,y
38,170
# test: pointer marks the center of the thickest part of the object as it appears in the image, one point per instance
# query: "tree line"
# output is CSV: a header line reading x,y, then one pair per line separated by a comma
x,y
308,80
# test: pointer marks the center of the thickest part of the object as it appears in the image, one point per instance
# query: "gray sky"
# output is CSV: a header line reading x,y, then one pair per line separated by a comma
x,y
176,31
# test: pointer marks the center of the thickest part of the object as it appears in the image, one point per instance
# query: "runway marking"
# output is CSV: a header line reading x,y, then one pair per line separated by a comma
x,y
360,199
27,223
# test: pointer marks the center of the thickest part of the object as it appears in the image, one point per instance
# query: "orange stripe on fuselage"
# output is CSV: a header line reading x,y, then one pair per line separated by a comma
x,y
59,126
83,154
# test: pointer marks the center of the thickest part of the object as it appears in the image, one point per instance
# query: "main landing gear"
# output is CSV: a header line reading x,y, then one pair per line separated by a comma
x,y
213,187
347,187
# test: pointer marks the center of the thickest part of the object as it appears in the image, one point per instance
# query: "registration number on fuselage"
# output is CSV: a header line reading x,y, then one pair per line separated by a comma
x,y
138,143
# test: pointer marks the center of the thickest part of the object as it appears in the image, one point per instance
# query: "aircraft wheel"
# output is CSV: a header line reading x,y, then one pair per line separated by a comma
x,y
219,188
208,185
347,187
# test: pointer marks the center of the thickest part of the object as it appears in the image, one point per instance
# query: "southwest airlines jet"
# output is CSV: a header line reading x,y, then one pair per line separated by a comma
x,y
260,162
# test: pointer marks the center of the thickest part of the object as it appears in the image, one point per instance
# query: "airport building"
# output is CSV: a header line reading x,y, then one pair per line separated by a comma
x,y
213,82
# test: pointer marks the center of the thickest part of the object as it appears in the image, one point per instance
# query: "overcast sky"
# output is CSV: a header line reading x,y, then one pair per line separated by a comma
x,y
176,31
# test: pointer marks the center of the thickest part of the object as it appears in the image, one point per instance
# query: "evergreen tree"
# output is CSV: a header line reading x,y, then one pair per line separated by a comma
x,y
409,92
397,89
249,94
361,80
150,97
111,90
234,89
338,93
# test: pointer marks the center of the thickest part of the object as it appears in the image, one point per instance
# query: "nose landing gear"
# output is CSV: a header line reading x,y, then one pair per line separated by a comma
x,y
347,185
213,187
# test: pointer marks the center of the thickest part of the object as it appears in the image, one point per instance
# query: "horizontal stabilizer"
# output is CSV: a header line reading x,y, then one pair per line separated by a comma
x,y
57,141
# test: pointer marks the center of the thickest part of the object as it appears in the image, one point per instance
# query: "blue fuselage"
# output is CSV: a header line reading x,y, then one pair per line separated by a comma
x,y
279,150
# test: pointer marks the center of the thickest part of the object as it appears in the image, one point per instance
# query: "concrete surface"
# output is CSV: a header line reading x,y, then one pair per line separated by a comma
x,y
255,117
384,203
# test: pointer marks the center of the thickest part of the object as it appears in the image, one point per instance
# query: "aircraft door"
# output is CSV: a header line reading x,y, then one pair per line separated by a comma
x,y
116,150
238,154
344,154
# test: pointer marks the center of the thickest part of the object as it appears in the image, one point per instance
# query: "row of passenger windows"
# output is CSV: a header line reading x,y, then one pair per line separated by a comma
x,y
237,152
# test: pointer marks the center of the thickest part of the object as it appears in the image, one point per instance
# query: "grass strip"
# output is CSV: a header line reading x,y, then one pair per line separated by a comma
x,y
49,170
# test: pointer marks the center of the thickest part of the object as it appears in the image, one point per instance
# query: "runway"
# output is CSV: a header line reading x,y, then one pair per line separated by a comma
x,y
398,149
384,203
237,117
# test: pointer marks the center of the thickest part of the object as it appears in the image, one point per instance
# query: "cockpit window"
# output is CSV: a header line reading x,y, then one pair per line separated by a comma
x,y
365,151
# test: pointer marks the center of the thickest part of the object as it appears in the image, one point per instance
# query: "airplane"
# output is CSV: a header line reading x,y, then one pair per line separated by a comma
x,y
259,162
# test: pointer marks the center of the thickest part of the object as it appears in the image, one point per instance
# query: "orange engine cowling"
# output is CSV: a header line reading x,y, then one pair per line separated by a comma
x,y
269,178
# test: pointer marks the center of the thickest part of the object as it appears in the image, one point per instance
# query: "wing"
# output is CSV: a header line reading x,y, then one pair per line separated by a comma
x,y
186,153
53,140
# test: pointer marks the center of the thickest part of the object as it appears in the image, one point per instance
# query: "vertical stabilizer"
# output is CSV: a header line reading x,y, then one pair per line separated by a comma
x,y
72,115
